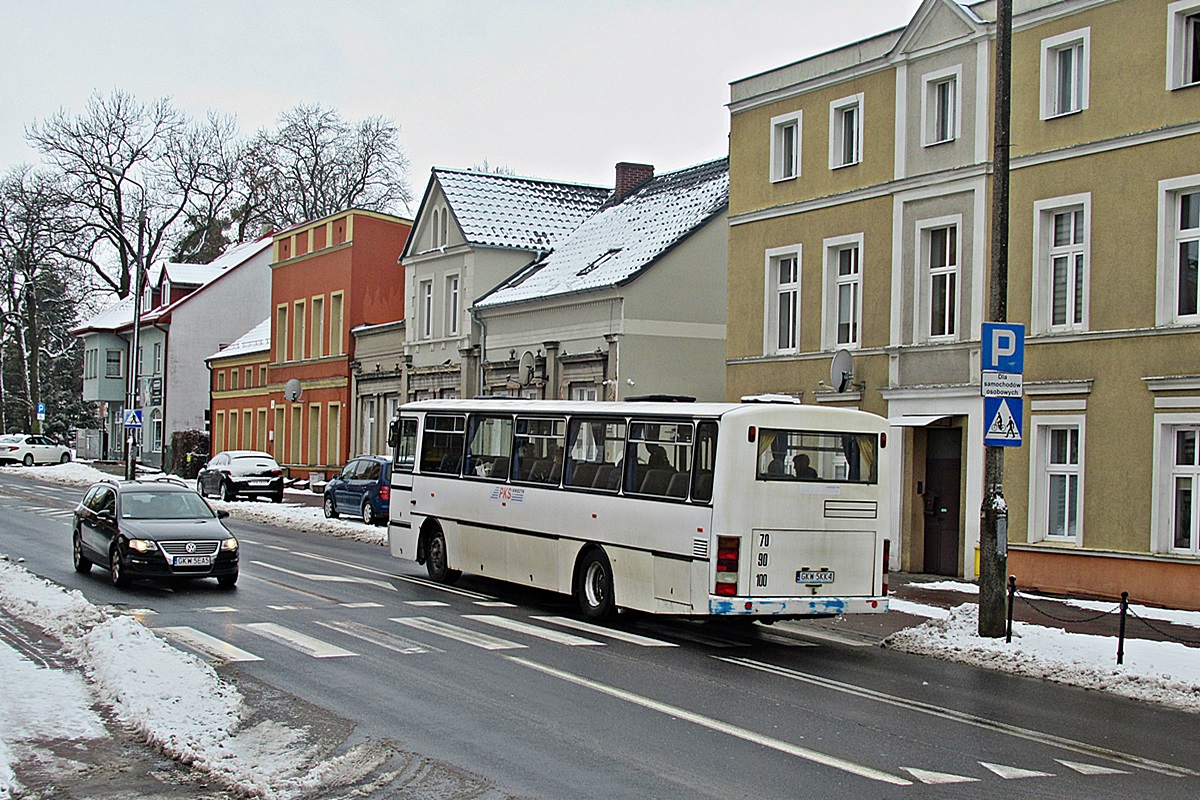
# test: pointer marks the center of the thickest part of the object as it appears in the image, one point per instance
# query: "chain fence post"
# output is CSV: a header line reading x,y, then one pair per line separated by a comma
x,y
1012,593
1121,635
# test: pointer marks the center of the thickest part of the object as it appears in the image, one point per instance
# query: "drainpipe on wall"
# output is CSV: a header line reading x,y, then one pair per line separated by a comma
x,y
482,348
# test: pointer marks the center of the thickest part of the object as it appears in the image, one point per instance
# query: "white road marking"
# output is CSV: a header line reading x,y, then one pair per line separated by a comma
x,y
296,640
382,638
611,633
360,605
489,603
421,603
458,634
326,578
692,636
830,636
1082,748
215,609
208,644
779,639
1090,769
719,726
285,607
927,776
558,637
1014,773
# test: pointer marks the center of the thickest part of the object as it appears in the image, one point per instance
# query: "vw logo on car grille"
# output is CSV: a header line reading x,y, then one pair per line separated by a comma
x,y
191,547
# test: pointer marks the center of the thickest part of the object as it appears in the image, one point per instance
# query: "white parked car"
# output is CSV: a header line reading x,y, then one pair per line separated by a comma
x,y
29,449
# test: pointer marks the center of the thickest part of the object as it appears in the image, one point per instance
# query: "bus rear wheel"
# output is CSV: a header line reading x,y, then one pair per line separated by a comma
x,y
594,587
435,559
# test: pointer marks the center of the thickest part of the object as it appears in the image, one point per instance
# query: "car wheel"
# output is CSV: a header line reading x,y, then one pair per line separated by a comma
x,y
116,571
435,560
227,492
277,497
200,488
227,581
367,513
330,508
594,587
28,460
65,458
83,565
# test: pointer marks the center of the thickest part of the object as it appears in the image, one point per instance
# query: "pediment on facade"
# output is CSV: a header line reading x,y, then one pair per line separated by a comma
x,y
937,23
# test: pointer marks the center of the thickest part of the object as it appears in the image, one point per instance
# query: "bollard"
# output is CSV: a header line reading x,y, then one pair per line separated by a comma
x,y
1012,592
1121,635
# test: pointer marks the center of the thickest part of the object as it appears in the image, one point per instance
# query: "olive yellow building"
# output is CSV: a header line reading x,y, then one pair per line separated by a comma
x,y
860,213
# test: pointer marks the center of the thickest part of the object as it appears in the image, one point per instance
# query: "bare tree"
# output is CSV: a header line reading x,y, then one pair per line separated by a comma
x,y
137,173
316,163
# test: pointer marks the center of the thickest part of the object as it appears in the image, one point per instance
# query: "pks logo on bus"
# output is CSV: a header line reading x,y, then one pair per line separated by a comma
x,y
508,494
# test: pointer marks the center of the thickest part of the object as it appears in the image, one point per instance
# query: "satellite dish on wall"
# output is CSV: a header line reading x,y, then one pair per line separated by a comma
x,y
841,371
292,390
525,370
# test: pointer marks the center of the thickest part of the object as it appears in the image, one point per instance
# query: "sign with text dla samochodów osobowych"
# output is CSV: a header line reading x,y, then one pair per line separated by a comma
x,y
1003,417
1003,351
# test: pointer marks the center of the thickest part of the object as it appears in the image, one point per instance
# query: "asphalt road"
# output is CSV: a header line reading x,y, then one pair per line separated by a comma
x,y
510,689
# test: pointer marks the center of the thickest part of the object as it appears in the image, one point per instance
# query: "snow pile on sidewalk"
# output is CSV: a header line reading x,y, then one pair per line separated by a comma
x,y
173,699
1158,672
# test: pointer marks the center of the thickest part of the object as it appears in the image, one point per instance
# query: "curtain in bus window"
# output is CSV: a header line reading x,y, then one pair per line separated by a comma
x,y
866,451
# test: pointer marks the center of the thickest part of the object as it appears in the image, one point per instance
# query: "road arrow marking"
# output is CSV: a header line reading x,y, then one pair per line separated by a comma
x,y
926,776
1090,769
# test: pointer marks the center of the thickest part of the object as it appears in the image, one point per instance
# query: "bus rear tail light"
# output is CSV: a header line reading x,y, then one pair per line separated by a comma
x,y
887,551
385,493
727,565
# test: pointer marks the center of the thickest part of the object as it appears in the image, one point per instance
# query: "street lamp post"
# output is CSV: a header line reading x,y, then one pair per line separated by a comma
x,y
131,396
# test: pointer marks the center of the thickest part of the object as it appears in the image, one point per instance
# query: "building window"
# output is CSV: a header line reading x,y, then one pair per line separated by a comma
x,y
782,315
281,333
221,381
336,323
262,376
314,434
425,292
939,106
1185,480
157,358
1061,233
317,349
156,431
452,306
334,433
1179,251
249,378
1056,478
233,379
845,131
436,229
112,363
940,259
586,392
843,292
298,332
1065,67
785,146
1183,44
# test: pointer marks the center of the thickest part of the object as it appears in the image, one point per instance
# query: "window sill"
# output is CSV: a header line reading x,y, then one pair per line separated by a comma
x,y
940,141
847,164
785,179
1062,114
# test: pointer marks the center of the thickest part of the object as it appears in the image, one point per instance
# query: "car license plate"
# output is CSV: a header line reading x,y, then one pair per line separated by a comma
x,y
258,482
192,561
814,576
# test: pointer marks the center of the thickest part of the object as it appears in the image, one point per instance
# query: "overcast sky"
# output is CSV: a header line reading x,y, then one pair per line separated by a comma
x,y
558,89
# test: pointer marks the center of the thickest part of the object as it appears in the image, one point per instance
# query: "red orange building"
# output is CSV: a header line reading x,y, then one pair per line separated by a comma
x,y
290,394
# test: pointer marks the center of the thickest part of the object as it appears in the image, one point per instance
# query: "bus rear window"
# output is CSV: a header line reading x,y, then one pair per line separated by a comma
x,y
817,456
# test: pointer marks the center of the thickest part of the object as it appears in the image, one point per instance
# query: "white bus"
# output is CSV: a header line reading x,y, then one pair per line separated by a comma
x,y
772,510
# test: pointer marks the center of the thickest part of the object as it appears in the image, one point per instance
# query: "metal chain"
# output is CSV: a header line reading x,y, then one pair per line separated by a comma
x,y
1064,619
1160,631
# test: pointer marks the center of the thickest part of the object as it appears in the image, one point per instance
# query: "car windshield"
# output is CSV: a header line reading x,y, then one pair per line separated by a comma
x,y
164,505
254,458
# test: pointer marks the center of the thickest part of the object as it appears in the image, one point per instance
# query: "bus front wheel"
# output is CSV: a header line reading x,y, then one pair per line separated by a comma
x,y
594,587
435,559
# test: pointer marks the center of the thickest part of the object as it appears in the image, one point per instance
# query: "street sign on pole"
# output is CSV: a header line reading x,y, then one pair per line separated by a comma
x,y
41,411
1002,417
132,418
1003,347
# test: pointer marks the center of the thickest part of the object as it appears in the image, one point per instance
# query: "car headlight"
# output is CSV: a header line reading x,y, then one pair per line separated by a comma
x,y
141,545
229,544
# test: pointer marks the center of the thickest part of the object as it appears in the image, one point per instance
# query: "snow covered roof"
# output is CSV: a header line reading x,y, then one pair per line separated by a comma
x,y
624,238
113,318
199,274
523,213
255,340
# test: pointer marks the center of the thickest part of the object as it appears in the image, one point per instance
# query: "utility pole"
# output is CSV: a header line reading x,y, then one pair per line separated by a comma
x,y
993,537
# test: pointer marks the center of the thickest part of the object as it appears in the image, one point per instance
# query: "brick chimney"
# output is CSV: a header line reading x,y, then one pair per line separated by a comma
x,y
630,177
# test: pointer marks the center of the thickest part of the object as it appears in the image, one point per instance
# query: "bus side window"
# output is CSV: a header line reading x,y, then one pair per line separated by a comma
x,y
489,447
704,462
442,445
404,431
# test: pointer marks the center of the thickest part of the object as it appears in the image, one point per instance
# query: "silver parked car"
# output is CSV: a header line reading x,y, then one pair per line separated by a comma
x,y
30,449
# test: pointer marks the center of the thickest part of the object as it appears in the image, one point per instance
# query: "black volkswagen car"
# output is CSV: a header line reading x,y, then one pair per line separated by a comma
x,y
152,528
241,473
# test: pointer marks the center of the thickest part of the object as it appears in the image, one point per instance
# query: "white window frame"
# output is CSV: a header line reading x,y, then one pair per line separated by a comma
x,y
837,127
1169,238
157,359
1162,513
924,278
771,299
453,304
1183,57
1041,470
1043,253
1080,41
156,431
425,313
834,281
780,169
929,105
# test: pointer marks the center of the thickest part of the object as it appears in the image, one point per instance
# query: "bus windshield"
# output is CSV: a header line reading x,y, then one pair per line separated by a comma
x,y
817,456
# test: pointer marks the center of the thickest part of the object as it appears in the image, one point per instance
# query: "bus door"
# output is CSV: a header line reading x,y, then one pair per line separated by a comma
x,y
402,438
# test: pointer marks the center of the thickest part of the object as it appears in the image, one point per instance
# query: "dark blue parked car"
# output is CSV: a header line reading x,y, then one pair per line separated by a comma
x,y
363,487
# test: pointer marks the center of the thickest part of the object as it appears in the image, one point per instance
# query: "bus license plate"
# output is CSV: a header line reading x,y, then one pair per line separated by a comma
x,y
814,576
193,561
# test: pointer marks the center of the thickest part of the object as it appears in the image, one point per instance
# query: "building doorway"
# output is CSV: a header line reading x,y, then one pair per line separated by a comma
x,y
943,496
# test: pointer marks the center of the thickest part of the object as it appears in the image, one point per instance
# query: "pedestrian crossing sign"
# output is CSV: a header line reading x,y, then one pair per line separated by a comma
x,y
133,418
1003,417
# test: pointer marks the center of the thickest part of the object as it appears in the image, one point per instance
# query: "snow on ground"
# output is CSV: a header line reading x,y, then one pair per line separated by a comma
x,y
179,703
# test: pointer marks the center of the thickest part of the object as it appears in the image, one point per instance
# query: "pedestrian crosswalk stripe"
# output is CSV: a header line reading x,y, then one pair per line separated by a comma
x,y
569,639
1090,769
217,610
296,640
611,633
458,634
362,605
286,607
928,776
384,639
1011,773
426,603
494,604
207,644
